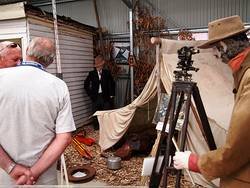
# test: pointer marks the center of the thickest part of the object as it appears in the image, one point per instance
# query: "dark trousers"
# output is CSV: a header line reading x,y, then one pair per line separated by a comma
x,y
100,104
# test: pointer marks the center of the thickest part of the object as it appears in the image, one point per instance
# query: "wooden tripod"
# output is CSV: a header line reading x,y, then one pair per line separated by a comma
x,y
182,92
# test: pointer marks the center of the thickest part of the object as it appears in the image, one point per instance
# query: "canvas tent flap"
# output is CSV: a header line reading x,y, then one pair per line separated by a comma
x,y
114,123
12,11
214,81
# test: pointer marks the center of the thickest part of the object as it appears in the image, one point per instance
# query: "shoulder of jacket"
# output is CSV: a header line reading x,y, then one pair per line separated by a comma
x,y
106,70
92,72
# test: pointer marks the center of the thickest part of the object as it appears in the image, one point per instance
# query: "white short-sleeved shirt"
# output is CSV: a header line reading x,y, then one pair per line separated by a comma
x,y
34,107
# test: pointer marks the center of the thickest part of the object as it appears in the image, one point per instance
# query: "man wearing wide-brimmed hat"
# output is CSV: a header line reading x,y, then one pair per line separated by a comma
x,y
231,162
100,87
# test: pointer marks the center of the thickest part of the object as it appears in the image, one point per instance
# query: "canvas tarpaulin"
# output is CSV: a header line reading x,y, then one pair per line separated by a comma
x,y
114,123
215,84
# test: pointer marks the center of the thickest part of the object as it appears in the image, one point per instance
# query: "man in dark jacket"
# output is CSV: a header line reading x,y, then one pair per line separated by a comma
x,y
230,162
100,87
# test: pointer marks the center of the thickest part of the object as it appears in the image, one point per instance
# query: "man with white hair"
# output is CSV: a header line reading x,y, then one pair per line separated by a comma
x,y
230,162
36,115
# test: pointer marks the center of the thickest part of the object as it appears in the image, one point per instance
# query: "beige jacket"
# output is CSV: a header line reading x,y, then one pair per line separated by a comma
x,y
231,162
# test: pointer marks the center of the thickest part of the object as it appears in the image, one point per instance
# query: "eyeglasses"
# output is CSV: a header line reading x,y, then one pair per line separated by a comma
x,y
11,45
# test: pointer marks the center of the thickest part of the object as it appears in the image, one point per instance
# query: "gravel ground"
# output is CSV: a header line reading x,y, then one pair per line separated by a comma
x,y
128,175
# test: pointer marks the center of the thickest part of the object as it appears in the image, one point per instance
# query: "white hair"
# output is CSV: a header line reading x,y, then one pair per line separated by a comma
x,y
42,49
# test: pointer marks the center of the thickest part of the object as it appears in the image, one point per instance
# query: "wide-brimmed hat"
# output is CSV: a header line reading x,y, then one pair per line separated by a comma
x,y
223,28
99,61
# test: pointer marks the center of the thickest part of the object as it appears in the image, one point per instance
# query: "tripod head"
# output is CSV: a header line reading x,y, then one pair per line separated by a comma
x,y
185,63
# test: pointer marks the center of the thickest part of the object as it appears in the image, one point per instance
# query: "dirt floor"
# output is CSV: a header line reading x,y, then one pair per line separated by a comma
x,y
128,175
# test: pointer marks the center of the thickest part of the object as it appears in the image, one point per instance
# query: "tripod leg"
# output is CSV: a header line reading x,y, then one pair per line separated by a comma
x,y
170,132
155,177
184,132
203,118
171,135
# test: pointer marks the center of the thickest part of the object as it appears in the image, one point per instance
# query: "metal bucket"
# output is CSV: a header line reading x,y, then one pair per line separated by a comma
x,y
113,162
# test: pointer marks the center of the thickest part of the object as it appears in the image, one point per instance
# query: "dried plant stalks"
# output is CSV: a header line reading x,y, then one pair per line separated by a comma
x,y
146,26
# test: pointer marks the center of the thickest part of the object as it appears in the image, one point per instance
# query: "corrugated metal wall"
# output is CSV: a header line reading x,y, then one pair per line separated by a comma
x,y
76,49
178,13
197,13
38,30
77,60
114,15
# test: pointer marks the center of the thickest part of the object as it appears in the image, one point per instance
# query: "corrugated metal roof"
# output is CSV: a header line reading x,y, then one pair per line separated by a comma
x,y
34,2
29,9
49,2
4,2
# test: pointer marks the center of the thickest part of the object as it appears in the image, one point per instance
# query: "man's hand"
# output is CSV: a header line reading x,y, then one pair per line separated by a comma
x,y
22,175
21,180
181,159
51,154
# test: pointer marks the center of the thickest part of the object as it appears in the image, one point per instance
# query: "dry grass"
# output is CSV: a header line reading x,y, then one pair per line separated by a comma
x,y
128,175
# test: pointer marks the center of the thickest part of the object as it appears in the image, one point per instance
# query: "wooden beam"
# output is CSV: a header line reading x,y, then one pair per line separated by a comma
x,y
99,28
128,3
155,40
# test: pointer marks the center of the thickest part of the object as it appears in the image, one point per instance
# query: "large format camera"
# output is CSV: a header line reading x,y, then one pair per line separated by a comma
x,y
185,63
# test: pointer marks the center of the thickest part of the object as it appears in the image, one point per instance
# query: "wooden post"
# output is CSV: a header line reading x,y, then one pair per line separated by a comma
x,y
155,40
99,28
131,53
58,56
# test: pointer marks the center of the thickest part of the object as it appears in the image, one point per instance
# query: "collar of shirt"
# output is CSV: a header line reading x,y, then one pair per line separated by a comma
x,y
32,64
99,74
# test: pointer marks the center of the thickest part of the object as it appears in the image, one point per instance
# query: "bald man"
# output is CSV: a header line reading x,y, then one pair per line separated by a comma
x,y
10,54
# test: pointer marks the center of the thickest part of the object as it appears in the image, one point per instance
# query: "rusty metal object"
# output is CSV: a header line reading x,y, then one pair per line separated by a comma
x,y
85,169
